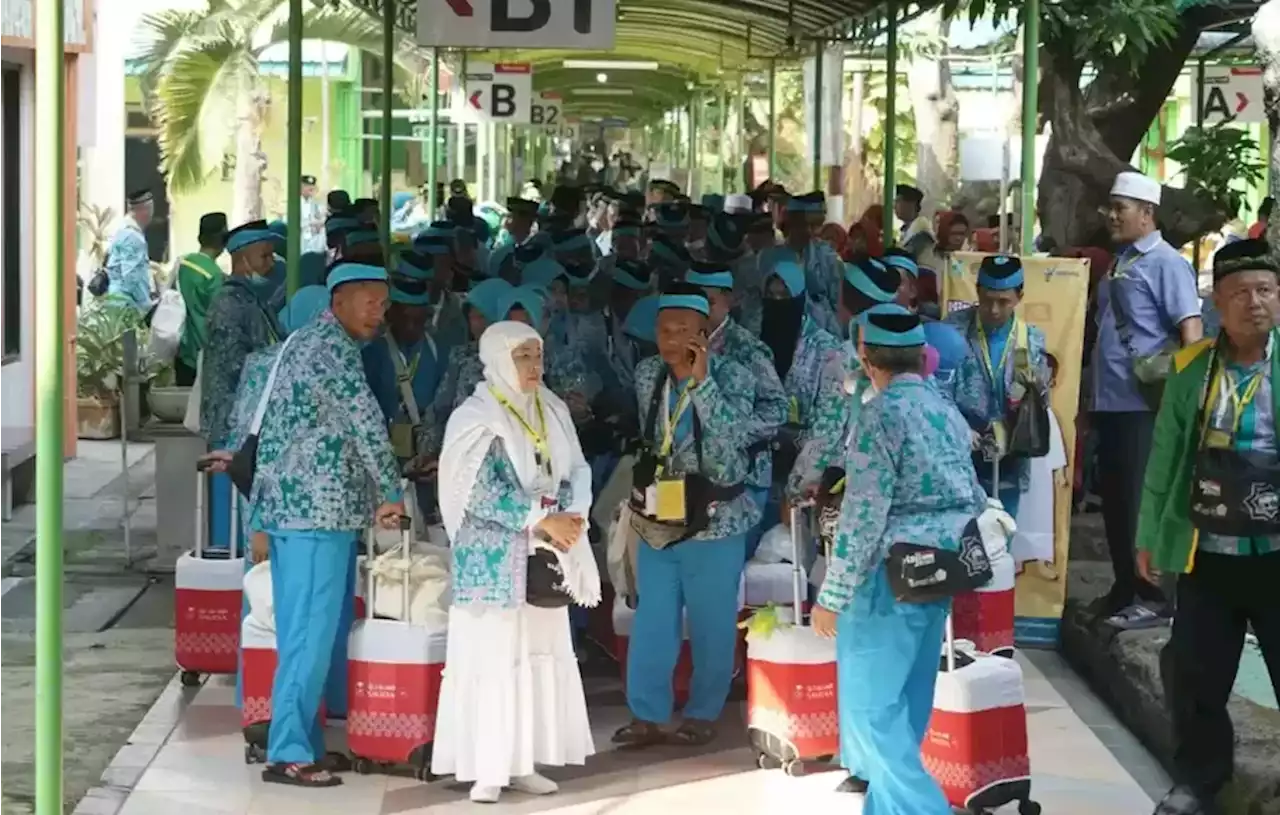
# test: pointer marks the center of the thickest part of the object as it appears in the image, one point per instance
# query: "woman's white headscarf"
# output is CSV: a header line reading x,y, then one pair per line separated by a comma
x,y
482,417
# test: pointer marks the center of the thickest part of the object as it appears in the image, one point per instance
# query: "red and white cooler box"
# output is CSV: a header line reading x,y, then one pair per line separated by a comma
x,y
985,616
394,671
258,652
791,694
208,593
976,745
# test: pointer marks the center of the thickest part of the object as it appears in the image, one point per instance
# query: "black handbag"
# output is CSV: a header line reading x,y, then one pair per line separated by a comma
x,y
101,281
926,574
544,580
1028,425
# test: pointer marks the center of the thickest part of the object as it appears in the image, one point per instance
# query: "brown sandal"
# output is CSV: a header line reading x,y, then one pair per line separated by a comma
x,y
693,733
638,735
300,775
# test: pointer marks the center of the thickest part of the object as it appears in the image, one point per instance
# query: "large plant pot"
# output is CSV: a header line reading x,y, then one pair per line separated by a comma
x,y
97,418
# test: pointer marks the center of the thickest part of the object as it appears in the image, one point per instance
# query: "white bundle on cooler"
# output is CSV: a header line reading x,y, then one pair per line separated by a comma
x,y
429,588
775,546
257,590
384,540
997,528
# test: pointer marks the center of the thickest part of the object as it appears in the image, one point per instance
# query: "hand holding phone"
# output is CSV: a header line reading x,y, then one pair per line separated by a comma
x,y
698,356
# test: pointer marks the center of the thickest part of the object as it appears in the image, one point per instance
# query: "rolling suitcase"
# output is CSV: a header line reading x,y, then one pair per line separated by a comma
x,y
394,672
976,745
208,593
792,712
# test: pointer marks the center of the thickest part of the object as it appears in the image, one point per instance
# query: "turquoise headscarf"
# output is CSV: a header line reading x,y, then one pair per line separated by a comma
x,y
531,298
541,272
487,297
307,303
642,319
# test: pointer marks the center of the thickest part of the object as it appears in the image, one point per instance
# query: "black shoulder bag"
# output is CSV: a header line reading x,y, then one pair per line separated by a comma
x,y
244,462
926,574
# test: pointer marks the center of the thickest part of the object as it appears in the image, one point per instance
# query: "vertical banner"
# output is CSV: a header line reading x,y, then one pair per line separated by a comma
x,y
1054,300
832,139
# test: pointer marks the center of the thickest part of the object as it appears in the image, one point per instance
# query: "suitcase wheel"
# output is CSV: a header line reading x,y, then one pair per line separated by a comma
x,y
190,679
793,768
767,762
362,766
255,754
1028,807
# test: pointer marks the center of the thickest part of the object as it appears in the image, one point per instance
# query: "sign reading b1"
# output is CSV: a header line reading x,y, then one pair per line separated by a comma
x,y
586,24
501,93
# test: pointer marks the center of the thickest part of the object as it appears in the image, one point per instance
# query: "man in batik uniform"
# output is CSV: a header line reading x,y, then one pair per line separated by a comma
x,y
128,260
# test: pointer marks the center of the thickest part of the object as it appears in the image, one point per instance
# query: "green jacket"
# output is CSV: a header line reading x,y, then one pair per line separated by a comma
x,y
1164,526
199,278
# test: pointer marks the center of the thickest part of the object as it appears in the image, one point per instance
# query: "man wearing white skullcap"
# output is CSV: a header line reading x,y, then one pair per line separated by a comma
x,y
737,204
1148,305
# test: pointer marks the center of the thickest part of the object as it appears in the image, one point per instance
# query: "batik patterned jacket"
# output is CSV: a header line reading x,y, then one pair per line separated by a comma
x,y
129,265
769,406
491,549
815,387
748,290
975,396
910,479
723,403
324,458
238,324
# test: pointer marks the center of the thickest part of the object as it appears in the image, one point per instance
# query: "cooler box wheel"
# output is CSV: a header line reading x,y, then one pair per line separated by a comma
x,y
191,679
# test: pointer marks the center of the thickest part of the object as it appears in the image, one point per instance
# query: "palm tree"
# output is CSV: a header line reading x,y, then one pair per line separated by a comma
x,y
203,86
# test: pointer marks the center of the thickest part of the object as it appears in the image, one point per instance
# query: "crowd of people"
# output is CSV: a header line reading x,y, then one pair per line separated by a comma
x,y
741,353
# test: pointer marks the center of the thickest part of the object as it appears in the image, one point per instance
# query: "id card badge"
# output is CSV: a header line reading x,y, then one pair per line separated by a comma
x,y
651,501
670,499
1218,439
402,439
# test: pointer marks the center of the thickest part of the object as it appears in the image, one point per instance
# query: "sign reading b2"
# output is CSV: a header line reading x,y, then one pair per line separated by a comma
x,y
586,24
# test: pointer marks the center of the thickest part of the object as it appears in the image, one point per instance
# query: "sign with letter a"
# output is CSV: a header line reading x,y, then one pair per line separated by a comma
x,y
584,24
501,93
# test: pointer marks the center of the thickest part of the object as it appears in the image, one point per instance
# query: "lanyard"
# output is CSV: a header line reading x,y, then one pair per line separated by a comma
x,y
409,367
542,451
672,418
986,351
1239,400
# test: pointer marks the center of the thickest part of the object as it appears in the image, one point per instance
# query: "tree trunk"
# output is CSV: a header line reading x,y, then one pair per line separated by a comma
x,y
1266,40
937,112
251,161
1093,133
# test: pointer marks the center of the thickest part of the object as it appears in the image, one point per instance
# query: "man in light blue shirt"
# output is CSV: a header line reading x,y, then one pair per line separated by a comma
x,y
1147,303
128,260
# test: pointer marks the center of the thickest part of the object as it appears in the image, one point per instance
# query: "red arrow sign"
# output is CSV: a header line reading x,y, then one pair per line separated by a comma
x,y
462,8
1242,101
475,101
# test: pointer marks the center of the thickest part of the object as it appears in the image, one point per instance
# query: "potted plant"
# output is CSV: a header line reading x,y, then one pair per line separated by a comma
x,y
100,333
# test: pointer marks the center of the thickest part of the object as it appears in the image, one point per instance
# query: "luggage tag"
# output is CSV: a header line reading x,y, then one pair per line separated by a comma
x,y
402,439
669,503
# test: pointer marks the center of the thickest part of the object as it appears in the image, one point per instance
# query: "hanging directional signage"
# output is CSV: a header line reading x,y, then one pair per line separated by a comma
x,y
546,112
501,93
1233,95
585,24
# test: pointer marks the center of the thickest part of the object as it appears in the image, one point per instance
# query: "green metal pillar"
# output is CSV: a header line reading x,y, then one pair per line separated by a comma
x,y
50,349
817,115
721,141
388,88
773,117
293,210
890,122
694,102
1030,108
433,134
744,143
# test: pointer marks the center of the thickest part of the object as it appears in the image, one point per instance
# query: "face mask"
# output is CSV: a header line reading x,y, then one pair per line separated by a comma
x,y
259,281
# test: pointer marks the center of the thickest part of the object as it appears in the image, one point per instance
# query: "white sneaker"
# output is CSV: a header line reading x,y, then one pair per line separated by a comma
x,y
534,784
485,795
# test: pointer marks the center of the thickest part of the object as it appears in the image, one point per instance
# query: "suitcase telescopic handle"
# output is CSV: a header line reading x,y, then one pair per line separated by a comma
x,y
798,583
406,539
203,468
950,644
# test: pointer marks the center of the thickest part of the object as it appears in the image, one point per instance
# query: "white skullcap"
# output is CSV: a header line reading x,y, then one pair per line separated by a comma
x,y
1136,186
737,203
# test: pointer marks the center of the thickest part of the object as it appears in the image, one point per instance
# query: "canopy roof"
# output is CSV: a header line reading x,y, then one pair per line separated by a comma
x,y
694,42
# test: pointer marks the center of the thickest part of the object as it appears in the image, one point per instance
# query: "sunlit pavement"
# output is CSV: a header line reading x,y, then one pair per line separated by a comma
x,y
187,758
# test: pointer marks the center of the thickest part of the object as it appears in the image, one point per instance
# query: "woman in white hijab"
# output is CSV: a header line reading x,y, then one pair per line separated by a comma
x,y
513,481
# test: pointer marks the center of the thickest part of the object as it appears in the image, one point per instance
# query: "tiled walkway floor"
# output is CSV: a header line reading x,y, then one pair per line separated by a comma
x,y
197,768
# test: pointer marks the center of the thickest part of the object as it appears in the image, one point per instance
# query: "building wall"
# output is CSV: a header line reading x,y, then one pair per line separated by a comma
x,y
17,373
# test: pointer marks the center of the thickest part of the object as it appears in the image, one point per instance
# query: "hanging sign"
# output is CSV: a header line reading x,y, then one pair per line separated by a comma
x,y
584,24
501,93
545,112
1233,95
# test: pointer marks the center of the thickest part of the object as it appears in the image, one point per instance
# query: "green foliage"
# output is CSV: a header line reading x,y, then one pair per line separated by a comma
x,y
1219,162
904,142
764,621
100,345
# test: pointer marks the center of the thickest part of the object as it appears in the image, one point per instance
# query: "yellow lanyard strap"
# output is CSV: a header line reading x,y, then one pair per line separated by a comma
x,y
986,351
410,367
673,419
1239,401
542,450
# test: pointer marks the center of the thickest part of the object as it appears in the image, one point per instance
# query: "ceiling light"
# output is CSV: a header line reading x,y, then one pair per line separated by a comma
x,y
611,65
603,92
602,78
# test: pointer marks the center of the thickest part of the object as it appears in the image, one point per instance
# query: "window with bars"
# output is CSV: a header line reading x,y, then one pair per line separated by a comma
x,y
10,213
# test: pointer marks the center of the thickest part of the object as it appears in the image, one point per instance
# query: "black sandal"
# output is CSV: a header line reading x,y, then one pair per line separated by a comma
x,y
693,733
300,775
335,762
638,735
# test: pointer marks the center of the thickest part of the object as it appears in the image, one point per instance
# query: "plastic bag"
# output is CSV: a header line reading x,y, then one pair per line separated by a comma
x,y
430,592
166,327
775,546
257,590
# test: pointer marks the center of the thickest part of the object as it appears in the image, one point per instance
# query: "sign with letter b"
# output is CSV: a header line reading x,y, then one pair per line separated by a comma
x,y
584,24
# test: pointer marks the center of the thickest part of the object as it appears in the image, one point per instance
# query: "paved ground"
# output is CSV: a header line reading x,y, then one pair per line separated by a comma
x,y
119,640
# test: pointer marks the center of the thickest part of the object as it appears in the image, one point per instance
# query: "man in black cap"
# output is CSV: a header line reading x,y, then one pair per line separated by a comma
x,y
366,211
199,279
128,259
338,202
660,191
312,217
1209,515
516,231
916,236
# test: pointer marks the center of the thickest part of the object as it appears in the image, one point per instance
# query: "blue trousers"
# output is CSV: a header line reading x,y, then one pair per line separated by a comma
x,y
761,496
220,492
311,583
701,578
887,667
602,467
